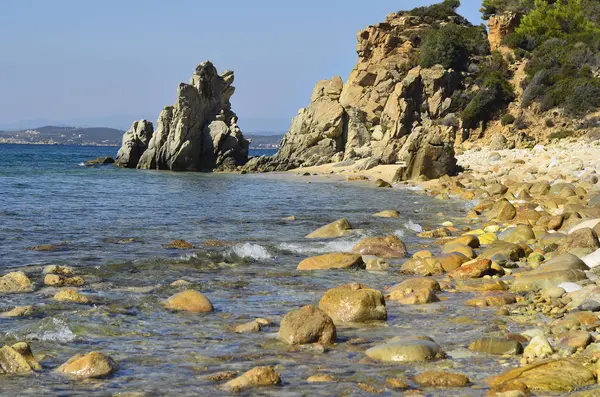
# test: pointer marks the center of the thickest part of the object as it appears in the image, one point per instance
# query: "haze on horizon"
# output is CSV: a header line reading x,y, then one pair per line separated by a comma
x,y
108,63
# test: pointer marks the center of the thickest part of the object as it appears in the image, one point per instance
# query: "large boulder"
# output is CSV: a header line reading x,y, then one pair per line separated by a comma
x,y
384,247
411,349
91,365
198,133
339,260
338,228
189,301
15,282
307,325
135,142
353,303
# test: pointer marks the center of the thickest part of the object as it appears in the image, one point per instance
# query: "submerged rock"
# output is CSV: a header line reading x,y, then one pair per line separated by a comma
x,y
411,349
17,359
339,228
90,365
353,303
496,346
307,325
256,377
99,161
190,301
441,379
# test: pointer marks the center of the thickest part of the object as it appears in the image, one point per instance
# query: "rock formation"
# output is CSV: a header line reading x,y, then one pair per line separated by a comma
x,y
198,133
389,110
501,26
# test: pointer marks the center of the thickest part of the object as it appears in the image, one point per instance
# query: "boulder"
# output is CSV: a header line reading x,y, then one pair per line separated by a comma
x,y
190,301
537,280
135,142
410,349
474,269
256,377
307,325
15,282
503,210
198,133
550,375
388,214
71,295
99,161
384,247
496,346
354,303
90,365
339,260
583,241
339,228
13,362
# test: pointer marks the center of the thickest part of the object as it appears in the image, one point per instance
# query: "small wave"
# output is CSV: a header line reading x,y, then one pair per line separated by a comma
x,y
251,251
399,233
81,164
320,247
49,329
413,227
187,257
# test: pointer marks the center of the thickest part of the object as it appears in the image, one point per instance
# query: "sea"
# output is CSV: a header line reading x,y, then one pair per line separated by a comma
x,y
113,226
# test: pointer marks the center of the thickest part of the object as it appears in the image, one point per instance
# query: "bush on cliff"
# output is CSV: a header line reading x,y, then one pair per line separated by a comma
x,y
494,94
437,12
452,45
495,7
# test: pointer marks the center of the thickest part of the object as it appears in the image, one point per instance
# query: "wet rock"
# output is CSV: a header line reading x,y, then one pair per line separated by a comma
x,y
339,260
459,248
339,228
518,234
13,362
220,376
496,298
307,325
71,295
550,375
134,144
99,161
179,244
510,250
376,264
496,346
397,383
381,183
423,266
441,379
436,233
384,247
388,214
537,280
353,303
25,351
413,284
246,328
19,311
56,280
320,379
59,269
180,283
190,301
15,282
91,365
416,297
256,377
411,349
474,269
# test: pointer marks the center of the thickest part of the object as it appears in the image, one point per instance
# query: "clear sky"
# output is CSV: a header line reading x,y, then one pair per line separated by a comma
x,y
105,63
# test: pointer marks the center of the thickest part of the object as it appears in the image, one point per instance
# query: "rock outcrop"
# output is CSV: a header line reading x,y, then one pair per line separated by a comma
x,y
389,109
198,133
501,26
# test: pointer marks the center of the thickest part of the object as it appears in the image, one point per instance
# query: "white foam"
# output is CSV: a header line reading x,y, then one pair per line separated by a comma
x,y
319,247
413,227
81,164
399,233
187,257
251,251
53,329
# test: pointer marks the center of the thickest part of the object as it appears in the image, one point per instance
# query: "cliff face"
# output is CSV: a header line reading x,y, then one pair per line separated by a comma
x,y
389,109
198,133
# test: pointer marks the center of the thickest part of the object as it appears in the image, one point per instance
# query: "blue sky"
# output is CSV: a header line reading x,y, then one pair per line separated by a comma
x,y
109,62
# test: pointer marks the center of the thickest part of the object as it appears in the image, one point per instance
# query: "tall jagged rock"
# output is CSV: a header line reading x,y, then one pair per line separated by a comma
x,y
135,143
389,108
501,26
199,132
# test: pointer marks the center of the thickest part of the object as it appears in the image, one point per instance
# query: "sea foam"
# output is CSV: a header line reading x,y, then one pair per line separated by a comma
x,y
413,227
49,329
251,251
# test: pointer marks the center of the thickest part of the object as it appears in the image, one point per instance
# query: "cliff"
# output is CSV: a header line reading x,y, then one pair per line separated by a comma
x,y
198,133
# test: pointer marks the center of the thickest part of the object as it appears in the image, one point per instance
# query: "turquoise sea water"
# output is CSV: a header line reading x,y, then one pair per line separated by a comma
x,y
112,225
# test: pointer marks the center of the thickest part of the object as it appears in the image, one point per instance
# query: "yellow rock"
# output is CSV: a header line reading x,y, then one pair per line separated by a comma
x,y
190,301
340,260
71,295
91,365
487,238
339,228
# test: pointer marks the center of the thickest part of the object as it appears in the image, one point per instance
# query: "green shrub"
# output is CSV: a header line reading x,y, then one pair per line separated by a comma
x,y
451,46
493,7
562,134
507,119
437,12
549,123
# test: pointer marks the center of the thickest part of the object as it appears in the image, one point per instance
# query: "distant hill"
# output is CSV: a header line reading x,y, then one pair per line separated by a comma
x,y
64,135
264,141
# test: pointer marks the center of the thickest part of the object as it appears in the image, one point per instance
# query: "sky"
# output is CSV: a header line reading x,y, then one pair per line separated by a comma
x,y
106,63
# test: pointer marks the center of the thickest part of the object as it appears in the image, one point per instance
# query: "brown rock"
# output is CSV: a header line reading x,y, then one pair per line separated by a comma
x,y
496,346
180,244
339,260
256,377
339,228
474,269
307,325
441,379
12,362
91,365
71,295
353,303
15,282
384,247
25,351
189,300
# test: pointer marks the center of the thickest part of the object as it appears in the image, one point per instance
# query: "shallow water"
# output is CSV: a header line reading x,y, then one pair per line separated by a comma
x,y
47,197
